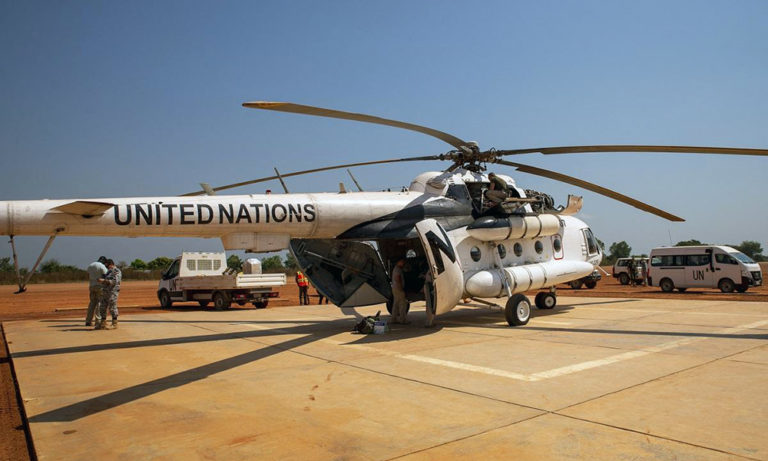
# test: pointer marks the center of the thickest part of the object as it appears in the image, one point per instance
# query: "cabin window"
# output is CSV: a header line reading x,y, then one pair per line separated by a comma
x,y
518,249
191,264
502,250
475,254
557,244
725,259
216,265
698,260
204,264
538,246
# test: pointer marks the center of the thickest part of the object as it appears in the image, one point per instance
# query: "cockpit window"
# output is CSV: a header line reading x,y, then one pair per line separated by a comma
x,y
591,242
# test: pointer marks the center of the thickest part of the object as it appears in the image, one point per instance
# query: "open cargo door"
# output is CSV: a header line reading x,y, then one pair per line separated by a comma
x,y
448,280
349,273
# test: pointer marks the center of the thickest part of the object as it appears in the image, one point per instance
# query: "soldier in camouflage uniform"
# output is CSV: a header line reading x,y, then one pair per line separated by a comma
x,y
111,283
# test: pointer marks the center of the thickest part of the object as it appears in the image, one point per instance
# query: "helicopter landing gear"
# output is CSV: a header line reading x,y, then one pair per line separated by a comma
x,y
546,300
518,310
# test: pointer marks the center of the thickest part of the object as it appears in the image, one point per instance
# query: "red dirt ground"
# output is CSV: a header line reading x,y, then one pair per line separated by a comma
x,y
71,299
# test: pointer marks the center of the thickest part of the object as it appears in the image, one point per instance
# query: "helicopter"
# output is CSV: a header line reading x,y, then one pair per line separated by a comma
x,y
458,235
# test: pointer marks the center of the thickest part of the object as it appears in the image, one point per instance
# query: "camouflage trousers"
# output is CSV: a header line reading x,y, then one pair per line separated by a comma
x,y
109,301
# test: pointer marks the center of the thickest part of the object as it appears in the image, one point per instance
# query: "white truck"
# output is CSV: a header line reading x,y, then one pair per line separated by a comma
x,y
205,278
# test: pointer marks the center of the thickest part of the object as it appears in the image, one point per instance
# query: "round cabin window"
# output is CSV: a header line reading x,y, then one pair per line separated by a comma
x,y
475,254
518,249
557,244
538,246
502,250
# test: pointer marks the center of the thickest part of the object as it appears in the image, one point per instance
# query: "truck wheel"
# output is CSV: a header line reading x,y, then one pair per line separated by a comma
x,y
726,285
545,300
165,299
518,310
203,303
666,285
260,304
591,284
624,278
575,284
221,301
742,288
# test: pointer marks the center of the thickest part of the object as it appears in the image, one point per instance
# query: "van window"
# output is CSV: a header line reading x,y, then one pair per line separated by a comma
x,y
742,257
698,260
725,259
668,260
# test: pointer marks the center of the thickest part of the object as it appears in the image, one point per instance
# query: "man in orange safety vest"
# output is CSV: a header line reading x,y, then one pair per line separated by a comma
x,y
303,282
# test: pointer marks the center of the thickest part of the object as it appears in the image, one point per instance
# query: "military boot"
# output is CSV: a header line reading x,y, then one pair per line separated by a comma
x,y
114,323
100,325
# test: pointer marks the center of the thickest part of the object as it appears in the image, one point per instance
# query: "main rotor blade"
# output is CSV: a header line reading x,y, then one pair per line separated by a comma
x,y
314,170
635,148
592,187
321,112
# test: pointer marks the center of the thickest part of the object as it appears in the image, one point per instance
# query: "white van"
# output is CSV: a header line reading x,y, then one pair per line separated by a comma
x,y
705,266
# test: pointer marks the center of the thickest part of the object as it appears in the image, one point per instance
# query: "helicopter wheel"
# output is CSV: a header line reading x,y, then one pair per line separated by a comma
x,y
545,300
518,310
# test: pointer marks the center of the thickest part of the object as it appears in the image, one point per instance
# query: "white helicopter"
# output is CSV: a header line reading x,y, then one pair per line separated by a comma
x,y
445,224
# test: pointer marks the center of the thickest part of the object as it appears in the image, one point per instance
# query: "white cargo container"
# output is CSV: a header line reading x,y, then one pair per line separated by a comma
x,y
205,278
705,266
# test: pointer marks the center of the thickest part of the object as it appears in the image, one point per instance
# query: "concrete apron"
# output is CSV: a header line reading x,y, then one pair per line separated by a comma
x,y
591,379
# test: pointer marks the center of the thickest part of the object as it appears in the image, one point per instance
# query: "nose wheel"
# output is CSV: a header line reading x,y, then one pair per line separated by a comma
x,y
517,310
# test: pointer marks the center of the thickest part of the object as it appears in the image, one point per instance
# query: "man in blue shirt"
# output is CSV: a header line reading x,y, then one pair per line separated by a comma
x,y
96,270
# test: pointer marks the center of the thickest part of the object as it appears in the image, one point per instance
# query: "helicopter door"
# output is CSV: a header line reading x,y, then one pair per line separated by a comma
x,y
448,279
349,273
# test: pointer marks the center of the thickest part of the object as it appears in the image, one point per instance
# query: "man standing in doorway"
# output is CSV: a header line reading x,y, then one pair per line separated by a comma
x,y
96,270
399,301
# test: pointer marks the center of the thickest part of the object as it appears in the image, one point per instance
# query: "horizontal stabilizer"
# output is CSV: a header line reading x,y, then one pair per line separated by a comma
x,y
85,208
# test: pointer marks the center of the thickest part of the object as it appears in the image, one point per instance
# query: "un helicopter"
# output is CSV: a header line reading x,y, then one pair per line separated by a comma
x,y
473,244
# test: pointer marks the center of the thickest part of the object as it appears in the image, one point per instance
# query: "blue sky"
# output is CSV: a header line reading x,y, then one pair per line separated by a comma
x,y
116,99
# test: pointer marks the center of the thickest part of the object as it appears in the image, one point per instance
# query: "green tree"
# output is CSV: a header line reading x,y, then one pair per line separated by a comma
x,y
53,266
290,262
161,262
138,265
752,249
689,243
619,250
234,262
272,264
6,265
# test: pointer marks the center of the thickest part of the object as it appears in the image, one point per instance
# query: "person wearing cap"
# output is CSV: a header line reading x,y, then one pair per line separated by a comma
x,y
111,283
96,270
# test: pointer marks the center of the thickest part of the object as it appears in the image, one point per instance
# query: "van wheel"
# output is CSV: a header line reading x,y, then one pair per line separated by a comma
x,y
726,285
165,299
203,303
545,300
666,285
221,301
518,310
624,278
742,288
